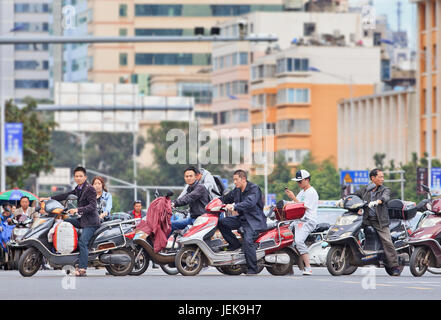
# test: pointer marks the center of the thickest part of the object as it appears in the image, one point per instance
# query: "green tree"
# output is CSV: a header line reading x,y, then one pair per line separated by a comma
x,y
37,130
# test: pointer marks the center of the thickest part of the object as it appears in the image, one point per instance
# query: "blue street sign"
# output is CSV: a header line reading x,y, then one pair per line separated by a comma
x,y
13,144
354,177
271,199
436,181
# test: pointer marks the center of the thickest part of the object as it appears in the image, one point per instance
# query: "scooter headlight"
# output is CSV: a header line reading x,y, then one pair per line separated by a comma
x,y
199,221
345,220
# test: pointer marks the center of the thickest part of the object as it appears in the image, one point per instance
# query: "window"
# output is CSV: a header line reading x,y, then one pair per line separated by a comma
x,y
294,155
159,32
158,10
243,58
31,7
123,59
200,10
123,10
200,59
240,115
308,29
31,84
293,126
202,92
31,47
293,96
122,32
31,65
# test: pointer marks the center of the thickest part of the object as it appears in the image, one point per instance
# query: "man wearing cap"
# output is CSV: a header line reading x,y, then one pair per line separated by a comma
x,y
309,196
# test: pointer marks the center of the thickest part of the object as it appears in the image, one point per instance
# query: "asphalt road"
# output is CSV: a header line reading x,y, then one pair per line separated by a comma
x,y
212,285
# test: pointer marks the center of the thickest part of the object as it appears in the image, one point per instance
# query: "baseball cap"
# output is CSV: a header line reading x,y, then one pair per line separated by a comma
x,y
301,174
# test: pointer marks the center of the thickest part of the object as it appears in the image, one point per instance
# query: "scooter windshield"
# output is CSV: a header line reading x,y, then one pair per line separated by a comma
x,y
51,205
352,202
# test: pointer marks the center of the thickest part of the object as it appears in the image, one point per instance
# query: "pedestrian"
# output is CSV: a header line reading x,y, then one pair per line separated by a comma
x,y
377,216
304,226
103,198
25,211
246,203
88,221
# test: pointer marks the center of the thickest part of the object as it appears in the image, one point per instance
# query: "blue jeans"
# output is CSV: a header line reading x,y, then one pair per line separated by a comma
x,y
83,241
181,224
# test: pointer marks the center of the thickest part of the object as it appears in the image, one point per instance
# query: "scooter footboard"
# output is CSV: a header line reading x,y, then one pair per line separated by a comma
x,y
221,258
156,257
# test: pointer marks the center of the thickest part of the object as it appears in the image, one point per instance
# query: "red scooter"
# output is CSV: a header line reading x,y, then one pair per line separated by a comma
x,y
274,250
426,240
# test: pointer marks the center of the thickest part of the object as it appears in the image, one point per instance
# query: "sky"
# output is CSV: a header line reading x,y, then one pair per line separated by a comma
x,y
389,8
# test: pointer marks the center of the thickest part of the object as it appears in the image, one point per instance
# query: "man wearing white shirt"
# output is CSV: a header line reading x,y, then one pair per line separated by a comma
x,y
308,195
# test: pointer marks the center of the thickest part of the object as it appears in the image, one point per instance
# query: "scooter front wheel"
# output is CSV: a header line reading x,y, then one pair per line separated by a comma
x,y
30,262
189,261
141,263
336,261
418,266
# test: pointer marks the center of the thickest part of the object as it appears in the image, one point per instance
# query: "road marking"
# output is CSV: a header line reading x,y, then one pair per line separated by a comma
x,y
419,288
354,282
384,285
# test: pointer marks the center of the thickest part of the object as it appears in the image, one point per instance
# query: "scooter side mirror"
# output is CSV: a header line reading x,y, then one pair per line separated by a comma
x,y
72,197
425,188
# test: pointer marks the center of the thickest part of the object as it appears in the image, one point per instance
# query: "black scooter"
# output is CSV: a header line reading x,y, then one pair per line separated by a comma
x,y
353,245
108,246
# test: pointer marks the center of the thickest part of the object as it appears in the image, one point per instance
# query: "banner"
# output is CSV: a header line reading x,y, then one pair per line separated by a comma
x,y
13,144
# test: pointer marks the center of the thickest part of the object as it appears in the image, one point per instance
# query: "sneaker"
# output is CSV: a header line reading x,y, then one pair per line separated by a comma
x,y
396,272
307,272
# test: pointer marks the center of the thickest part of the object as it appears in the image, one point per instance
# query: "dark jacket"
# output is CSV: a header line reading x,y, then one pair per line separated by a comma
x,y
249,205
197,197
383,194
87,206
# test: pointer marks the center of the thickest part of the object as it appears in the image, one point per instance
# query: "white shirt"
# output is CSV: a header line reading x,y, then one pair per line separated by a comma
x,y
310,198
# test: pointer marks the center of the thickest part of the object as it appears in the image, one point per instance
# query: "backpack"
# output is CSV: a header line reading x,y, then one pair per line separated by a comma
x,y
219,184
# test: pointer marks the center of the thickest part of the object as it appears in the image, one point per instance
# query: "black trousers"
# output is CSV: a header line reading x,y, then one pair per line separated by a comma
x,y
250,235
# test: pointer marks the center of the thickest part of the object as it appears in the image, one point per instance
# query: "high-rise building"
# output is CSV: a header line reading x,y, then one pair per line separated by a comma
x,y
24,68
429,75
130,62
297,92
247,72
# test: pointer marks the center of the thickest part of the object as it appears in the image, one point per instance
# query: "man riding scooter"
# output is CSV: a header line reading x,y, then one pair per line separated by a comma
x,y
89,219
377,195
246,200
197,197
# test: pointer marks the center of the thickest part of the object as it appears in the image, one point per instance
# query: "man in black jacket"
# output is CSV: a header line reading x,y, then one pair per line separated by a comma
x,y
87,211
246,200
197,197
377,216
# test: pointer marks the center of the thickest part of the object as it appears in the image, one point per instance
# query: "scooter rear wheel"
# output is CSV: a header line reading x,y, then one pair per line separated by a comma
x,y
121,270
189,261
279,269
416,264
169,269
30,262
231,270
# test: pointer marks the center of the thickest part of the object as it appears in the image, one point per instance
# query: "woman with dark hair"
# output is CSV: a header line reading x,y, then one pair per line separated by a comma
x,y
102,195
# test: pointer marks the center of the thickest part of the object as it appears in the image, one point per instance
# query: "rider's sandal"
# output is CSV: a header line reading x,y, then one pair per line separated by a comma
x,y
80,273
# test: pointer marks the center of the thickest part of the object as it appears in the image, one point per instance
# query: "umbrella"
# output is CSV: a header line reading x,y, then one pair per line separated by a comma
x,y
16,194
